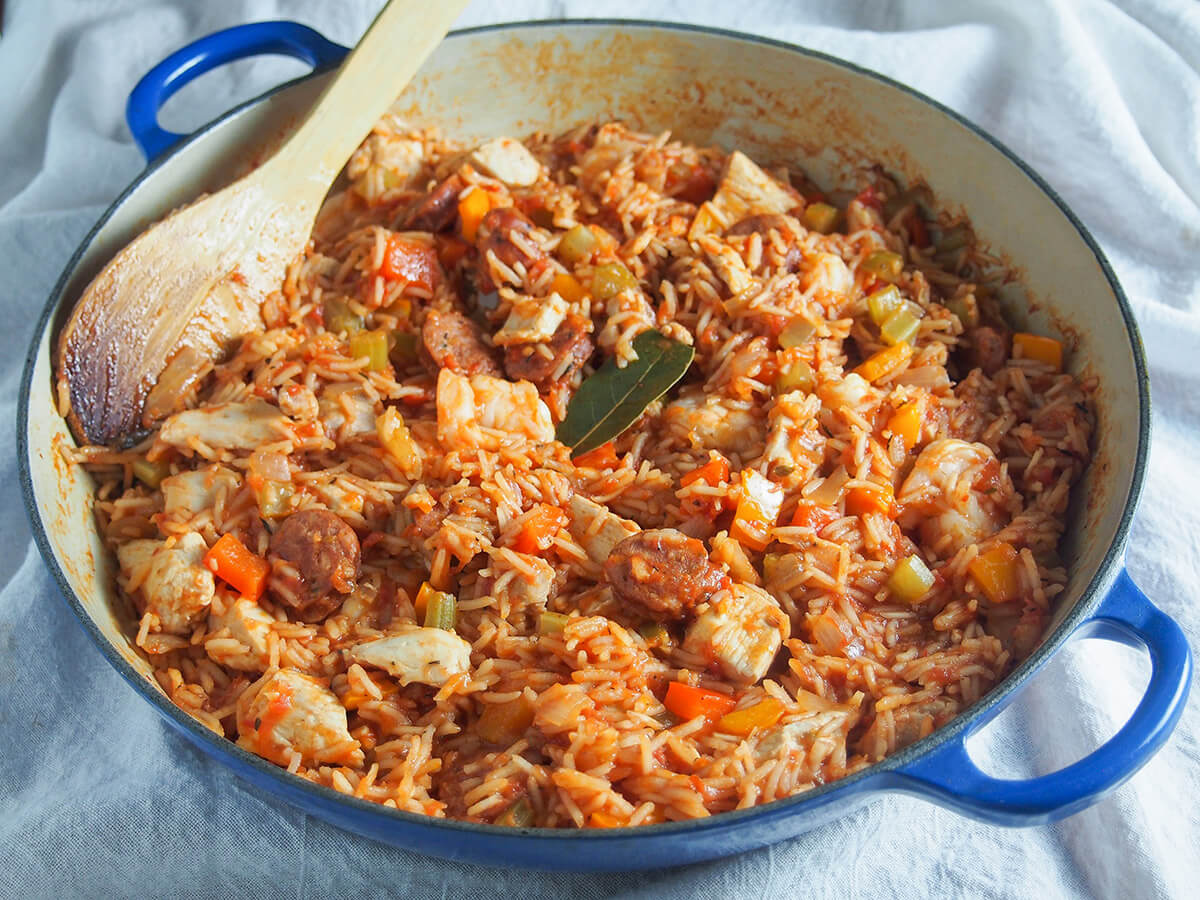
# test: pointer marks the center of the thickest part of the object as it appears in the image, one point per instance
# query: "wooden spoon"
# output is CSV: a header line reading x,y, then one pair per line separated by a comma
x,y
177,297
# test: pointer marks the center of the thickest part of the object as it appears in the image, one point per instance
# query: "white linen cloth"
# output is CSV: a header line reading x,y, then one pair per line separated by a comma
x,y
99,798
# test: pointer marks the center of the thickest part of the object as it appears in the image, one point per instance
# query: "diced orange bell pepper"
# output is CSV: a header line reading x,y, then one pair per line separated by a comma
x,y
602,457
742,722
472,207
996,571
686,702
411,261
242,570
713,473
1043,349
813,515
863,500
756,511
540,527
601,819
886,361
905,424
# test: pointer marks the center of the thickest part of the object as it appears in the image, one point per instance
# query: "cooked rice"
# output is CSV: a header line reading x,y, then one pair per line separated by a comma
x,y
862,674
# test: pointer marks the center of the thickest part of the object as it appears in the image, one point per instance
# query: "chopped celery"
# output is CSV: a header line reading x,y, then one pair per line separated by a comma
x,y
374,346
518,815
901,325
610,279
576,245
911,579
799,376
883,303
150,473
404,348
655,633
820,217
884,264
797,332
340,317
551,622
440,610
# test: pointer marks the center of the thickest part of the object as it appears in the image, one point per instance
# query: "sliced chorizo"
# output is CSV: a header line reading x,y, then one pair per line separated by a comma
x,y
989,349
452,341
315,558
663,573
569,349
436,210
507,234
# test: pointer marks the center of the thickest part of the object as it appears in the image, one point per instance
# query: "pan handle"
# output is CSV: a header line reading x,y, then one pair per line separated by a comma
x,y
949,777
207,53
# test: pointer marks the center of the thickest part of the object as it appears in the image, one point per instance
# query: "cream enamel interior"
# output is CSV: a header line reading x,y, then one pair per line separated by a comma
x,y
777,105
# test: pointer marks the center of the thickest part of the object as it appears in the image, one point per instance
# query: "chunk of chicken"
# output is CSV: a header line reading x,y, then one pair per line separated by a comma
x,y
188,493
955,495
746,190
727,263
299,402
346,411
596,528
507,160
286,712
798,735
740,630
413,653
829,273
400,158
176,586
532,319
249,624
531,590
853,394
795,442
227,426
482,411
708,422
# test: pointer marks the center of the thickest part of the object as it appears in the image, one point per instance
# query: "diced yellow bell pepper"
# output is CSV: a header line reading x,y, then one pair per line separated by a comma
x,y
742,722
398,441
997,573
1043,349
568,287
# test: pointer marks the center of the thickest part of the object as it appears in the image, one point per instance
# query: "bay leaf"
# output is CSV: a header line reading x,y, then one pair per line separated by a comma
x,y
613,398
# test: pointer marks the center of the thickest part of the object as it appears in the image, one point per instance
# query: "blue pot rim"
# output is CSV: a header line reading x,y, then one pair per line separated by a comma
x,y
874,778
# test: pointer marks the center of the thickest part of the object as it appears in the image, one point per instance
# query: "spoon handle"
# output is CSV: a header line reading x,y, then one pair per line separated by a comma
x,y
398,42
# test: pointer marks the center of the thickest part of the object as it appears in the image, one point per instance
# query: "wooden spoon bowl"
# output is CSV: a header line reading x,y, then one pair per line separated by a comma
x,y
178,297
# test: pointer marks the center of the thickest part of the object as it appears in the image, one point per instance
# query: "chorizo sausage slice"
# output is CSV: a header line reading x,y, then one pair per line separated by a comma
x,y
315,558
663,573
436,210
452,341
570,348
496,233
